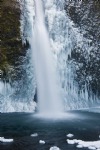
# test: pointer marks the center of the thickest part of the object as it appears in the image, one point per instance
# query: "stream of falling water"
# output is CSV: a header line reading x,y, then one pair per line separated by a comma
x,y
36,20
49,97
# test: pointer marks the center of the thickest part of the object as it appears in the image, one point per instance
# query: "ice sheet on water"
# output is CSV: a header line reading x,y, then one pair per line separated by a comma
x,y
91,147
70,135
88,144
70,141
2,139
79,146
42,142
54,148
34,135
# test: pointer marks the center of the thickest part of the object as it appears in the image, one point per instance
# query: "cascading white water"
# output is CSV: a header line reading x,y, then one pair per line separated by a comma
x,y
64,36
49,98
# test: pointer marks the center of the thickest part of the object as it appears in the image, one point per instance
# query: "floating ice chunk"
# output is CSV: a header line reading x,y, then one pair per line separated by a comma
x,y
70,141
34,135
79,146
42,142
90,144
54,148
2,139
77,141
69,135
91,147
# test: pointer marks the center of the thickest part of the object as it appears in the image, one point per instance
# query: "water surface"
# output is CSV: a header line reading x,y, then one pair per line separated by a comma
x,y
19,126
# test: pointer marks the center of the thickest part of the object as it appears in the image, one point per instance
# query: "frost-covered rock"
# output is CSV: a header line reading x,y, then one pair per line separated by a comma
x,y
89,54
21,106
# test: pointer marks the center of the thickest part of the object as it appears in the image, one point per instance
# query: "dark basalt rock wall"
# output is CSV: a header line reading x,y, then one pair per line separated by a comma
x,y
10,40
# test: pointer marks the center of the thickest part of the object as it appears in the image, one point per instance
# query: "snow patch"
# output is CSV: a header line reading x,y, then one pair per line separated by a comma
x,y
54,148
89,144
2,139
70,135
79,146
70,141
91,147
34,135
42,142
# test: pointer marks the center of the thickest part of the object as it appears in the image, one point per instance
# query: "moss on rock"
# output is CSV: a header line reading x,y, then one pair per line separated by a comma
x,y
10,39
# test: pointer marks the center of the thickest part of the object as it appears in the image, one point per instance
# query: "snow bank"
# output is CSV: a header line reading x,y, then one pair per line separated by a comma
x,y
2,139
54,148
89,144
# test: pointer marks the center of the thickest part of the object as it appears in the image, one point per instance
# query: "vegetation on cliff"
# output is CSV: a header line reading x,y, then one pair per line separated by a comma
x,y
10,39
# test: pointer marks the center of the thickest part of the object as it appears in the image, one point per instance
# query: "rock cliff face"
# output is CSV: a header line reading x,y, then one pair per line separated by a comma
x,y
86,17
10,40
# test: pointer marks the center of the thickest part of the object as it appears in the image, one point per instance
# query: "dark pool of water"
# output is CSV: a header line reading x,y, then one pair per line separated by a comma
x,y
19,126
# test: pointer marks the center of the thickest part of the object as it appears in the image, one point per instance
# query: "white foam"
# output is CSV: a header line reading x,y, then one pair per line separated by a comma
x,y
55,116
42,142
70,135
54,148
2,139
34,135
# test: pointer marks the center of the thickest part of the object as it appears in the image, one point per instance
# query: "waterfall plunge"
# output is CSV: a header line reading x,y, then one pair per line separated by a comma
x,y
49,98
64,36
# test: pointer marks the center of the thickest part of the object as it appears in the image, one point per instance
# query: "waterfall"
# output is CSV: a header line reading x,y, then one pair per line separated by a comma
x,y
52,37
49,97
